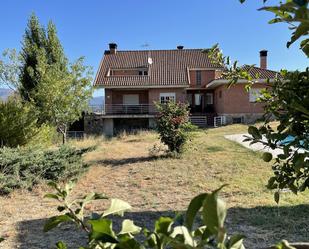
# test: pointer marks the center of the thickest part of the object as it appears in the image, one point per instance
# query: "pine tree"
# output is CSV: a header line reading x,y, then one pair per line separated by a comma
x,y
33,56
54,49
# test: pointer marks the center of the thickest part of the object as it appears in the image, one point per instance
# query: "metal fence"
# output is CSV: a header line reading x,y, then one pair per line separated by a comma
x,y
124,109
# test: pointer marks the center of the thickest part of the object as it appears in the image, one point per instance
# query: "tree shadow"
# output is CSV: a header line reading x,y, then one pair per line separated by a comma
x,y
262,226
130,160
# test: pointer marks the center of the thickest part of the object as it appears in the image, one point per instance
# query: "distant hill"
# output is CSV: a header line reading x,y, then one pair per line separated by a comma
x,y
5,93
97,101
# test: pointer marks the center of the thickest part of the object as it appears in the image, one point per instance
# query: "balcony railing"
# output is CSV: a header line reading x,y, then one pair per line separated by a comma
x,y
120,109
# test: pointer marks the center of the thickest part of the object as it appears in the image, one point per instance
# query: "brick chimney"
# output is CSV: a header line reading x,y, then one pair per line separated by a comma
x,y
263,59
112,48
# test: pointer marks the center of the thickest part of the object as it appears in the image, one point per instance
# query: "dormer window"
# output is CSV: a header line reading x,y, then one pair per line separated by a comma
x,y
128,72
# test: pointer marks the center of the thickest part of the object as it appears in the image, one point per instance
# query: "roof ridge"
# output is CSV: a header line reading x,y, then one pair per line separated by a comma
x,y
146,50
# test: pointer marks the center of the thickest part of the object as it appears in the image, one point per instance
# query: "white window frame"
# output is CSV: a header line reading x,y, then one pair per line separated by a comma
x,y
211,102
254,94
167,97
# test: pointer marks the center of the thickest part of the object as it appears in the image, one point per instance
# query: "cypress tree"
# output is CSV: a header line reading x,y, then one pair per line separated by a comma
x,y
54,49
33,57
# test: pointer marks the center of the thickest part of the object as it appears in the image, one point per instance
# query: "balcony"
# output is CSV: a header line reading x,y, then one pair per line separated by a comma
x,y
120,109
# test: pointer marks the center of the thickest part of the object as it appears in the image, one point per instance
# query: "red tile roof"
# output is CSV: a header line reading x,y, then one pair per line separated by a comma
x,y
258,73
169,67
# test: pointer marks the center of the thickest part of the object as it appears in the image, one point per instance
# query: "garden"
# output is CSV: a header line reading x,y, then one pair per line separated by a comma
x,y
175,187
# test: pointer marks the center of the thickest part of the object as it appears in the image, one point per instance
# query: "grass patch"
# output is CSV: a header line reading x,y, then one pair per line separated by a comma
x,y
154,185
210,160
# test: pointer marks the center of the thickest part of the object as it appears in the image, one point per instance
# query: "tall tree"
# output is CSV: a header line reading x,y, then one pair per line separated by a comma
x,y
59,91
64,95
10,69
54,50
33,56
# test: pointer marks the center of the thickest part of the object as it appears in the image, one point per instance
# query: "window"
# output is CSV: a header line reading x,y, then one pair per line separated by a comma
x,y
166,97
254,94
198,77
130,99
197,99
209,99
220,94
144,72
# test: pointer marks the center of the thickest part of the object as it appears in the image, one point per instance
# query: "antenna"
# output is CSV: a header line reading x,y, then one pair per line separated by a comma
x,y
147,45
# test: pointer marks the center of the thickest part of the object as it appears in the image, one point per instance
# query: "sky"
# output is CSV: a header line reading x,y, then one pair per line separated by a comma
x,y
86,27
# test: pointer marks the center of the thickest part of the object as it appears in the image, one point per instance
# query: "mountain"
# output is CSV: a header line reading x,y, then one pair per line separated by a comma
x,y
5,93
97,101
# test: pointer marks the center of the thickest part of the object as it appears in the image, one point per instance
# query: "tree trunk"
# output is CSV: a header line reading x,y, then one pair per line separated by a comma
x,y
64,135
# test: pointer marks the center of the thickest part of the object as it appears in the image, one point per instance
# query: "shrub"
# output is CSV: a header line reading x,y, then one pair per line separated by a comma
x,y
17,123
46,136
173,125
25,167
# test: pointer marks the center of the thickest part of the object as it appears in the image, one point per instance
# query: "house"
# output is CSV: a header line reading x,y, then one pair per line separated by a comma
x,y
134,80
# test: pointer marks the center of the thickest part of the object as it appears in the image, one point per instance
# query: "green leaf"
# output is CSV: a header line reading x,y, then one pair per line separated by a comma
x,y
55,221
163,225
184,232
194,206
61,245
214,212
254,132
52,196
236,242
267,157
277,197
102,230
128,227
117,207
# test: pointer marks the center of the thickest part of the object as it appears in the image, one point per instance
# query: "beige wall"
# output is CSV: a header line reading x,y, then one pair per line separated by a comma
x,y
236,100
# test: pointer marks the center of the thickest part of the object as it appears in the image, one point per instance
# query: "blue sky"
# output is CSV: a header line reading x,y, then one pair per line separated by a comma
x,y
86,27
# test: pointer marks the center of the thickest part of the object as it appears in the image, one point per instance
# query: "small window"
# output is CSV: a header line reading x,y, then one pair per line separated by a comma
x,y
220,94
144,72
198,77
166,97
209,99
237,120
254,94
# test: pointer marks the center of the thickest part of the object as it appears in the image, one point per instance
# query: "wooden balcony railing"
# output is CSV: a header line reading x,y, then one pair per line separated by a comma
x,y
114,109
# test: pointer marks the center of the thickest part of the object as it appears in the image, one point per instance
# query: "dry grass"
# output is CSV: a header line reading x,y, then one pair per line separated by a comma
x,y
154,185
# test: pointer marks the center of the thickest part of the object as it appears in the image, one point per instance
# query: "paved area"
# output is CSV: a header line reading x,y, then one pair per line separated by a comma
x,y
256,147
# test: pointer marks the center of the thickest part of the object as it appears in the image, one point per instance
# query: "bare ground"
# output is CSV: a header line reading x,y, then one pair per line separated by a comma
x,y
122,168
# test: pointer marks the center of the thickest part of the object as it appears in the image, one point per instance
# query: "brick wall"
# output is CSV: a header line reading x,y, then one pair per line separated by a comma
x,y
116,96
154,94
206,77
236,100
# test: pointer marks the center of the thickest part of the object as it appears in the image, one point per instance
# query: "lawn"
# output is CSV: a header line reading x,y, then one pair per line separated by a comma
x,y
123,168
